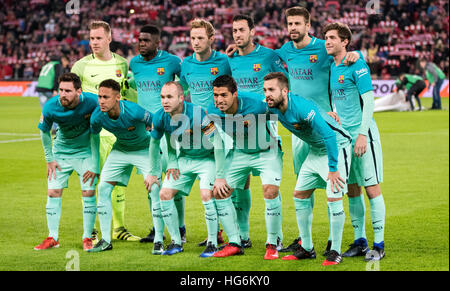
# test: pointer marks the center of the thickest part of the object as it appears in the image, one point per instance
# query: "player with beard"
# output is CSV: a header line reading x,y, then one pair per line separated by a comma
x,y
249,64
74,149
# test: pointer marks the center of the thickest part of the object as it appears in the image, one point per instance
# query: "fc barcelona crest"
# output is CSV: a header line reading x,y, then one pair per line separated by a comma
x,y
160,71
214,71
341,79
313,59
256,67
118,73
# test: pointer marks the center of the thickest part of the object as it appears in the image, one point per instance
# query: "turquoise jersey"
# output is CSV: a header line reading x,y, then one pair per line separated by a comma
x,y
199,76
72,137
347,84
315,127
249,70
191,130
248,126
150,76
131,128
309,70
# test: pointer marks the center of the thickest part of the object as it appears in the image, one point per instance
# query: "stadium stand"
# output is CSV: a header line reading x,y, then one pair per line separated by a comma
x,y
392,40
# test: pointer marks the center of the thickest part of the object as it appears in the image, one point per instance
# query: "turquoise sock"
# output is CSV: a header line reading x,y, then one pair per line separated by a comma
x,y
227,217
104,209
273,219
377,214
170,216
337,221
158,221
53,210
304,213
89,214
357,210
329,223
280,231
242,202
211,220
179,204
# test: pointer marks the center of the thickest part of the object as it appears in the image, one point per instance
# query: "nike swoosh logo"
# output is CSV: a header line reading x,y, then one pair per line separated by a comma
x,y
277,179
211,184
368,179
92,76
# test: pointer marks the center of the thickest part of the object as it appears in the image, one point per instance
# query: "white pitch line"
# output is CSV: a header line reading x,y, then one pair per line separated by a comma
x,y
19,134
19,140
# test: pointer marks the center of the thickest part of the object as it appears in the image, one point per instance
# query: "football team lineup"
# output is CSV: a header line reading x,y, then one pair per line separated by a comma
x,y
220,142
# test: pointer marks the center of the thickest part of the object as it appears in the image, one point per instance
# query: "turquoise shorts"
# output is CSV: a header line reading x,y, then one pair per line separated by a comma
x,y
267,164
314,172
190,169
300,150
80,166
119,165
367,170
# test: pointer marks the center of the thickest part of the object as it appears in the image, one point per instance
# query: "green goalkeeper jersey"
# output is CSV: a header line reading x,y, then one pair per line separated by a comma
x,y
93,71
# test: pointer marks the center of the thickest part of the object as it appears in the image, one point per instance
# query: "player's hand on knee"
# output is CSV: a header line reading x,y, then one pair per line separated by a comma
x,y
149,181
360,147
336,181
89,175
335,116
221,189
51,169
230,50
174,172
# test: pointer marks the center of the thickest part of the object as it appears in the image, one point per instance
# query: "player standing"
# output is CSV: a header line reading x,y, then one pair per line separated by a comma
x,y
151,69
327,160
103,64
74,149
253,150
352,93
249,64
129,123
194,158
309,67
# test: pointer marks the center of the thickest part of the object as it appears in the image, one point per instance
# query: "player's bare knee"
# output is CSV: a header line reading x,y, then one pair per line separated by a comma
x,y
55,193
270,191
354,190
373,191
206,195
166,194
88,193
303,194
329,199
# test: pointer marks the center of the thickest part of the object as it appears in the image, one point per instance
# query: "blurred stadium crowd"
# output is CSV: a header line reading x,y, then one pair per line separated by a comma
x,y
392,40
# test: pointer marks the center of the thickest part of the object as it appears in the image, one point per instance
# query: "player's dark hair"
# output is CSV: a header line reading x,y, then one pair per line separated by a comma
x,y
226,81
151,29
282,79
342,29
298,11
110,83
71,77
250,22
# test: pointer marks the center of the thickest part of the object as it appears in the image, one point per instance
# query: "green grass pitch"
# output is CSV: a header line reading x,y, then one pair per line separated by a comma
x,y
415,189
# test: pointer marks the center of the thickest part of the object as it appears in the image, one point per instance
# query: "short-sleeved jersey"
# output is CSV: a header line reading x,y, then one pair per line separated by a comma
x,y
249,70
347,84
248,126
131,128
199,76
93,71
150,76
309,70
72,137
314,126
191,130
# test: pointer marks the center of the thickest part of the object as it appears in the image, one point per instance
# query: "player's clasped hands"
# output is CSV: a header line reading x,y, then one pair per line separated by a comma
x,y
51,170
